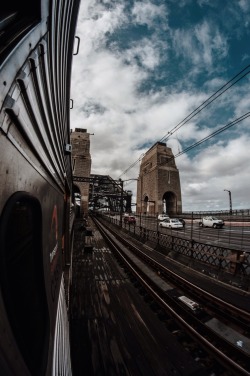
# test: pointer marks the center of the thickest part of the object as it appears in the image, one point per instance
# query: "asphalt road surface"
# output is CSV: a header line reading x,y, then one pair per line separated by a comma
x,y
235,236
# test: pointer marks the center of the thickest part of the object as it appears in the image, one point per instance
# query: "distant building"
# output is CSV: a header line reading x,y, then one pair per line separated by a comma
x,y
81,166
158,186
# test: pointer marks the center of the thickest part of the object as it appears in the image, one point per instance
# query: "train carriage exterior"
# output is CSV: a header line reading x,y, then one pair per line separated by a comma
x,y
36,224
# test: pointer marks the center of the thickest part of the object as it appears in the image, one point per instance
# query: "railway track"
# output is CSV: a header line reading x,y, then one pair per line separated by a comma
x,y
162,287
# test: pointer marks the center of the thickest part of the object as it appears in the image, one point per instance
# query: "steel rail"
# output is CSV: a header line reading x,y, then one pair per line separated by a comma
x,y
206,343
212,298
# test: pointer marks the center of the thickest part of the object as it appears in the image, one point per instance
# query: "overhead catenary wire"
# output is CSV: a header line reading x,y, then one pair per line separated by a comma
x,y
239,76
135,163
218,131
215,133
244,72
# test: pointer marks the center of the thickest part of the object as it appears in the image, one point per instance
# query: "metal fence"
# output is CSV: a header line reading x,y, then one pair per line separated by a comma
x,y
230,260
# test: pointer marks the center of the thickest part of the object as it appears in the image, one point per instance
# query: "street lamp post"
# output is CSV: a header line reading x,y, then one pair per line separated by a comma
x,y
230,200
121,202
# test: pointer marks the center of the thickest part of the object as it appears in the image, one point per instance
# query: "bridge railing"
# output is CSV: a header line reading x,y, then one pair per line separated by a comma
x,y
215,260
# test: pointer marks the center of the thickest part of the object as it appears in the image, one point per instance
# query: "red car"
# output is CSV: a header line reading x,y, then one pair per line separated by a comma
x,y
130,219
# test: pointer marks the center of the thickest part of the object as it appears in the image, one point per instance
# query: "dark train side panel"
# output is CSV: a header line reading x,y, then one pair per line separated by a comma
x,y
35,186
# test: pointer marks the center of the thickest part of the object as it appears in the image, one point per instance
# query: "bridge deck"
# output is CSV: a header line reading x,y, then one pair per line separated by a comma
x,y
113,330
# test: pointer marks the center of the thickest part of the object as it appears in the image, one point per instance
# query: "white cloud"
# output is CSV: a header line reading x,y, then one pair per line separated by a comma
x,y
202,45
146,52
212,171
108,102
203,2
145,12
244,5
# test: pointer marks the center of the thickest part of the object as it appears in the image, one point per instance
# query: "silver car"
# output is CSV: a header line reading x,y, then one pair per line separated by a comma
x,y
161,217
171,223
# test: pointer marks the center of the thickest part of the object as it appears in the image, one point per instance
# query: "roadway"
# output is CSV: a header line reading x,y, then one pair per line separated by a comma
x,y
234,235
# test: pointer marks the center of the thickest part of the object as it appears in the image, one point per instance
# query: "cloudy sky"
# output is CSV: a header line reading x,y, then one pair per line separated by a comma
x,y
144,67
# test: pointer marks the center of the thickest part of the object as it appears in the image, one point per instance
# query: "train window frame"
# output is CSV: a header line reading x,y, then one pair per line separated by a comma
x,y
22,279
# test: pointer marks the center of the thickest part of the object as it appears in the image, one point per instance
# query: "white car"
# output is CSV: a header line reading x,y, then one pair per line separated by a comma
x,y
211,222
161,217
171,223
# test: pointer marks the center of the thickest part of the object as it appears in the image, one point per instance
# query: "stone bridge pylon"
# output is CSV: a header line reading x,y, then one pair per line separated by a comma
x,y
158,187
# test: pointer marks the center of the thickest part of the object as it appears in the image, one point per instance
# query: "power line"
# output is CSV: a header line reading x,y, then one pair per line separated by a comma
x,y
244,72
138,160
208,101
218,131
